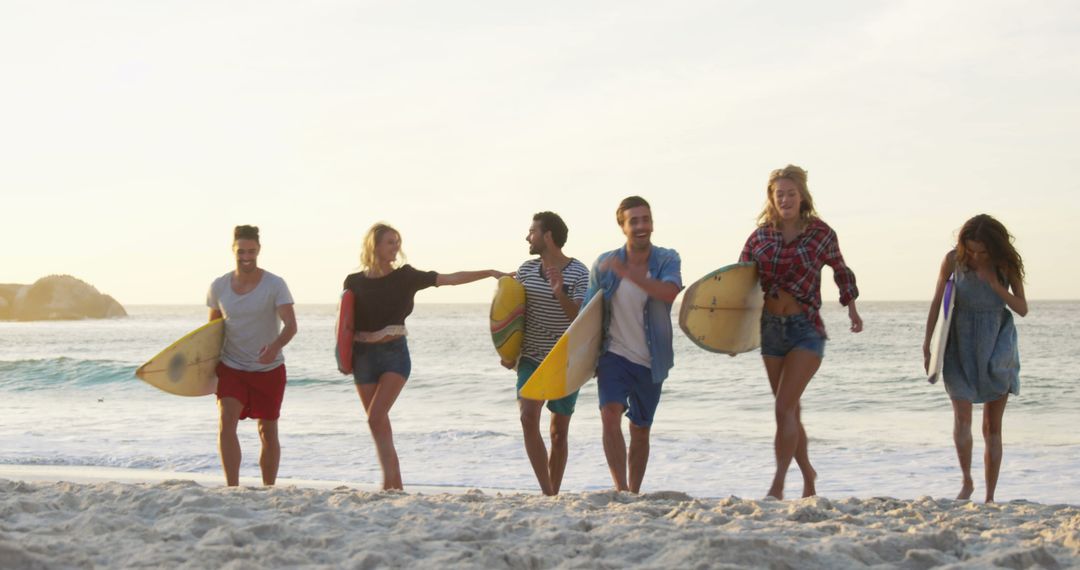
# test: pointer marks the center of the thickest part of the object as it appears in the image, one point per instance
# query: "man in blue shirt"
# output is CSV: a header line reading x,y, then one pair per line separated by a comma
x,y
640,282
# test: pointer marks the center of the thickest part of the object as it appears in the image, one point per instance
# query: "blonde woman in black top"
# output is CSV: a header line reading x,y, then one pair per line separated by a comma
x,y
384,292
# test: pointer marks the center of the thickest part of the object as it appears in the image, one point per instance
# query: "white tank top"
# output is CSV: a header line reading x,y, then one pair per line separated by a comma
x,y
628,324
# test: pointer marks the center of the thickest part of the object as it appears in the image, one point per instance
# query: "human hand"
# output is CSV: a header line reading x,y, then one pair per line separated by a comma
x,y
506,364
268,353
613,264
555,280
856,320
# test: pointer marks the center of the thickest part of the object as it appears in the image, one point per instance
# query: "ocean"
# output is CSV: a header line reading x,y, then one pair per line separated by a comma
x,y
68,396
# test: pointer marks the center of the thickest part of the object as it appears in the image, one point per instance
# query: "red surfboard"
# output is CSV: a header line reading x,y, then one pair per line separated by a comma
x,y
345,330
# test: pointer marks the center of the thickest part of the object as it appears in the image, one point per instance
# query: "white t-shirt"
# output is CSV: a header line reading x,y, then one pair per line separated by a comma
x,y
628,324
251,319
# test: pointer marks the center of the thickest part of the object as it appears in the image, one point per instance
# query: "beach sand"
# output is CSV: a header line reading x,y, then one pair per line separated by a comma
x,y
181,523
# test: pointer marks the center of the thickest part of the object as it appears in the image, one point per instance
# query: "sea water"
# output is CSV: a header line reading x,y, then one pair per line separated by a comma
x,y
68,396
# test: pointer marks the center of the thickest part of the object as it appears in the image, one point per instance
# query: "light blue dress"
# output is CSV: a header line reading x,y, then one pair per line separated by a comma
x,y
982,362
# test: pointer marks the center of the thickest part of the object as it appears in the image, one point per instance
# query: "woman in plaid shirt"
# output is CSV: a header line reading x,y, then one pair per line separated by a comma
x,y
790,246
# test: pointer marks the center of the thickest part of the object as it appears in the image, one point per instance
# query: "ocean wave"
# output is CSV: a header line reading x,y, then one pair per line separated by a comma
x,y
64,372
51,373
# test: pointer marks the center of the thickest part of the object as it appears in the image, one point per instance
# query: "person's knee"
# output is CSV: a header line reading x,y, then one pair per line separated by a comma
x,y
559,433
268,431
378,422
786,412
991,429
530,417
611,415
639,434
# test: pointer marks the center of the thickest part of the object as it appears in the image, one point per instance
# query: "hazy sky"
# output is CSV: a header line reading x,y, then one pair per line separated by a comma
x,y
135,135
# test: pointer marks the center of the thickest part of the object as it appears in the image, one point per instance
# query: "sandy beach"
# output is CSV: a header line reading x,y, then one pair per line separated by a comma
x,y
181,523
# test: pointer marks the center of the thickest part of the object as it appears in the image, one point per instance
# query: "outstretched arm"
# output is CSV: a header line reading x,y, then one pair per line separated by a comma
x,y
463,277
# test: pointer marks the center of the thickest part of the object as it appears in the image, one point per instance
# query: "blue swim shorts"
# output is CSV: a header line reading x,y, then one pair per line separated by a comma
x,y
630,384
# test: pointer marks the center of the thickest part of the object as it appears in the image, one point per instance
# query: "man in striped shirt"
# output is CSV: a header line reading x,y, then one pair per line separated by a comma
x,y
555,286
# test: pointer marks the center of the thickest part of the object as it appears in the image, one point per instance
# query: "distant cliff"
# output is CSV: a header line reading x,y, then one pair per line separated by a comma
x,y
56,297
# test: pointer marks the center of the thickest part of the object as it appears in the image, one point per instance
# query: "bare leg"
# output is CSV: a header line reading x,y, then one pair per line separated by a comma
x,y
992,414
270,457
378,399
798,368
228,444
534,442
614,443
774,367
639,456
962,438
560,430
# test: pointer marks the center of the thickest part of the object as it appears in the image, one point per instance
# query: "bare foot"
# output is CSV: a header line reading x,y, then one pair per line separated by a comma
x,y
775,493
966,491
808,488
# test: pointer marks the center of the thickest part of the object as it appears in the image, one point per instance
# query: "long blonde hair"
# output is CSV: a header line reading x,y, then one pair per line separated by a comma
x,y
770,215
367,255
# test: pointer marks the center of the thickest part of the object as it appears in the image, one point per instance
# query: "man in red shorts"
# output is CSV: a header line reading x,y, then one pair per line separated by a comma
x,y
251,375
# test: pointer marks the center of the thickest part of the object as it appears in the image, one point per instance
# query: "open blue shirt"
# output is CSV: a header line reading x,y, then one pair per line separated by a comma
x,y
664,265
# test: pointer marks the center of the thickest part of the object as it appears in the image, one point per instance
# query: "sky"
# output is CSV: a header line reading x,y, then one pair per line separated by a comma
x,y
134,135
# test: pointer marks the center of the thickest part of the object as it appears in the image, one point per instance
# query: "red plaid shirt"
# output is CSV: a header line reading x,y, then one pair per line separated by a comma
x,y
796,267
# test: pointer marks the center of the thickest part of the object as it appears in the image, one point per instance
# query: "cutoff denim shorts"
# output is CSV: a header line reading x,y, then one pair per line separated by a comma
x,y
782,334
370,361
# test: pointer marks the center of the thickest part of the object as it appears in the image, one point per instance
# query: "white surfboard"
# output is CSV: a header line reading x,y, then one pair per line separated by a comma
x,y
572,362
940,338
721,312
187,366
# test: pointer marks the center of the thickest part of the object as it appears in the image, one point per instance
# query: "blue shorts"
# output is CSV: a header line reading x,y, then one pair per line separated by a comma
x,y
622,381
780,335
564,406
370,361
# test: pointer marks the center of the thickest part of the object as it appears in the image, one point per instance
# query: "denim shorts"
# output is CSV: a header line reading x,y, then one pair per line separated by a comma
x,y
630,384
370,361
564,406
782,334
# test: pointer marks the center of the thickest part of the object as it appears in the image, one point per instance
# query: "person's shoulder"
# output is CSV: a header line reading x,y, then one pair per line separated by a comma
x,y
577,265
222,280
818,225
761,231
273,278
665,252
528,264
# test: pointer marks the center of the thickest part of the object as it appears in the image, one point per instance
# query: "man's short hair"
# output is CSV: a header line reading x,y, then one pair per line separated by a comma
x,y
551,222
626,204
246,232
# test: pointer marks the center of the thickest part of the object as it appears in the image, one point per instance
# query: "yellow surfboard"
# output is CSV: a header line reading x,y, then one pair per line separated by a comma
x,y
573,360
508,318
186,367
721,312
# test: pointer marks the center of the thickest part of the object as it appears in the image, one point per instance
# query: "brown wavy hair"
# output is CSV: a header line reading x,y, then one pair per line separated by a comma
x,y
770,215
999,244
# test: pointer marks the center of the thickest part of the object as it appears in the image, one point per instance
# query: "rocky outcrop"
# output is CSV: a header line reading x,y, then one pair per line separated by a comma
x,y
56,297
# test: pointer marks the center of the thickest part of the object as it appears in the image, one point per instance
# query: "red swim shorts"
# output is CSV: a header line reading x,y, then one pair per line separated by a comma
x,y
260,393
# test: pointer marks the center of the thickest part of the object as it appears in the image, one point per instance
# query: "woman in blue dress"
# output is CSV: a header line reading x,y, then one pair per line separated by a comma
x,y
982,363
